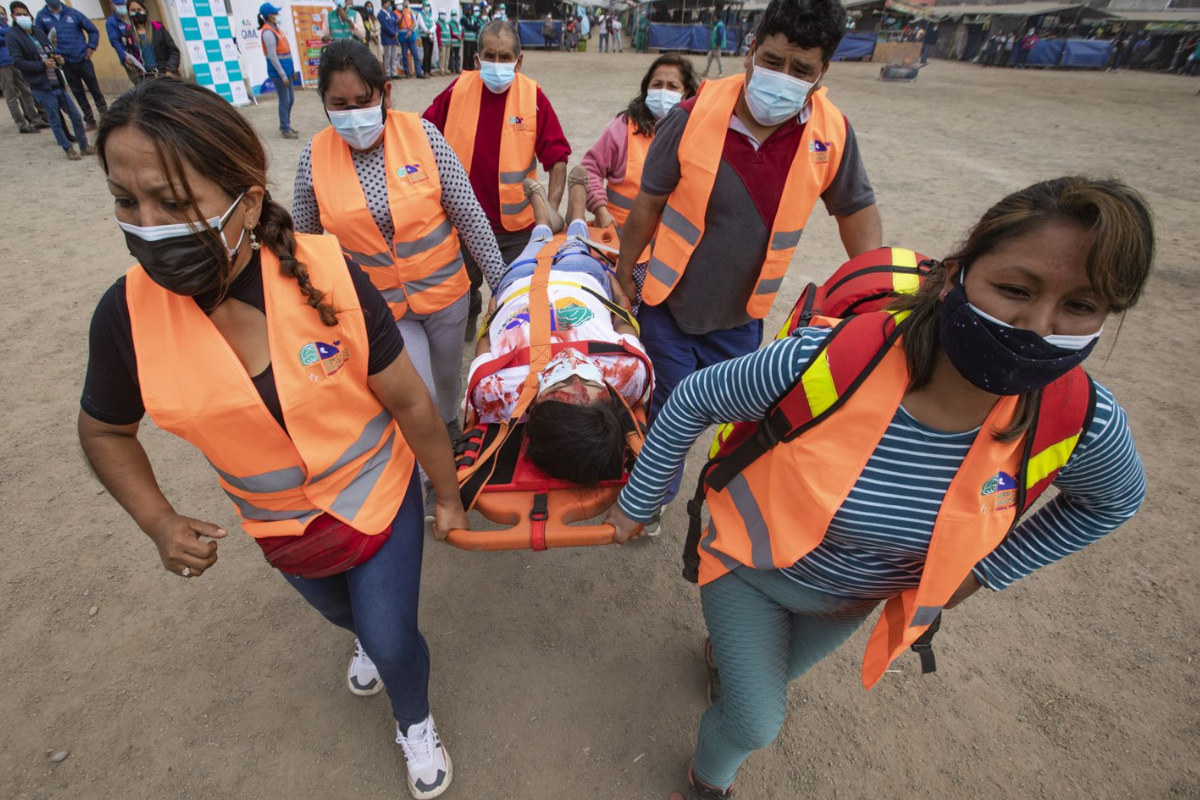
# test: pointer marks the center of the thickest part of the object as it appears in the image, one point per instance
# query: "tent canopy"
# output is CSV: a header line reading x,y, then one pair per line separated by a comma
x,y
1020,10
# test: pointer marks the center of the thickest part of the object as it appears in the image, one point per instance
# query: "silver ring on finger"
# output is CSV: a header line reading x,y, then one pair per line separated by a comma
x,y
186,572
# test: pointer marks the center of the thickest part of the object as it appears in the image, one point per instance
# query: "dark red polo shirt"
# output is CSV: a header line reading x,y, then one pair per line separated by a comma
x,y
551,145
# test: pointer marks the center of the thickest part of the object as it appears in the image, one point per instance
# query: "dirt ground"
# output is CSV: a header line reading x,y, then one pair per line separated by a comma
x,y
575,674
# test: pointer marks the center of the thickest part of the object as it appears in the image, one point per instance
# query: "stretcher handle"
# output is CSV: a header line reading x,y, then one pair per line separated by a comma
x,y
518,538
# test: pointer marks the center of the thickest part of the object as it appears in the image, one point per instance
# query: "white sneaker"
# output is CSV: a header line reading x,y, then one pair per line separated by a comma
x,y
362,677
653,526
429,767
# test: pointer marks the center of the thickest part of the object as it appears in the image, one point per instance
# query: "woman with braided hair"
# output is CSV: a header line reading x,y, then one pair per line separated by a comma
x,y
275,356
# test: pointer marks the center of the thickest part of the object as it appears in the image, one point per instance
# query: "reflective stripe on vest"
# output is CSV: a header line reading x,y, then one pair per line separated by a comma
x,y
282,46
700,150
422,267
621,195
342,452
778,508
518,139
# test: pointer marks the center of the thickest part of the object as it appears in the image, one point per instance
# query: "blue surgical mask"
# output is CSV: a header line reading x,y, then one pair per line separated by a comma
x,y
774,97
54,5
122,11
498,76
359,127
26,23
661,101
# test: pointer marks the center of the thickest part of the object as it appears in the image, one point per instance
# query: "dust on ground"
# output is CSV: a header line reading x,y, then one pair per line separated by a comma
x,y
577,673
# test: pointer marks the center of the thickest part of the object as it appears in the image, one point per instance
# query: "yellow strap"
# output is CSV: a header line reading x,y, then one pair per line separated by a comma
x,y
1052,458
905,283
818,384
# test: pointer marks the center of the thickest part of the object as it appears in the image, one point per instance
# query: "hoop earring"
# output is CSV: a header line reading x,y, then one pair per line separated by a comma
x,y
254,245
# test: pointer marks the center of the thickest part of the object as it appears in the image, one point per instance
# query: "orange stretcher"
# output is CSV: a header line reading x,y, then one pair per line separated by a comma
x,y
495,476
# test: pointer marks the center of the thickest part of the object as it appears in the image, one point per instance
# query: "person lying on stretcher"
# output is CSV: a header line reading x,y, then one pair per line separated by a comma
x,y
576,427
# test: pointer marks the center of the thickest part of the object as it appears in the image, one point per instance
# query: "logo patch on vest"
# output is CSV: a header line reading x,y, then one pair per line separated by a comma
x,y
518,124
411,173
322,360
999,493
820,151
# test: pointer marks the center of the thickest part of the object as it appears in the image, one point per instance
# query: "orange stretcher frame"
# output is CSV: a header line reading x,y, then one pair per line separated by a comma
x,y
539,509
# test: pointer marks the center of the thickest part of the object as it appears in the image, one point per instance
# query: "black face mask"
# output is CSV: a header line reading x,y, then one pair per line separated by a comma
x,y
1000,359
140,17
178,257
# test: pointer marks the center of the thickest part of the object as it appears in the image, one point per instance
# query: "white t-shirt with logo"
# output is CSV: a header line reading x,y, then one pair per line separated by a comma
x,y
577,317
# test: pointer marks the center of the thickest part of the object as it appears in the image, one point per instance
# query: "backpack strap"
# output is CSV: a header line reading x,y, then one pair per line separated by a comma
x,y
857,345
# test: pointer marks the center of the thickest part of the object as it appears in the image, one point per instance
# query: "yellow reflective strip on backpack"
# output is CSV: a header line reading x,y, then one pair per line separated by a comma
x,y
719,438
1052,458
902,282
818,385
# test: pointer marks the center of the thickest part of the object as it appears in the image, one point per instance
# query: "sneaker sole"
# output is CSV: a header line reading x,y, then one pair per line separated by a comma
x,y
417,793
364,692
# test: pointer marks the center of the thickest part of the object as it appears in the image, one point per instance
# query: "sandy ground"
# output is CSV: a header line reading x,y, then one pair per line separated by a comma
x,y
576,673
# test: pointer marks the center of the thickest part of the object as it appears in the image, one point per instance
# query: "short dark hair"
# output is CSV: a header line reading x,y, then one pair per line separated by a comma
x,y
805,23
499,27
353,56
580,444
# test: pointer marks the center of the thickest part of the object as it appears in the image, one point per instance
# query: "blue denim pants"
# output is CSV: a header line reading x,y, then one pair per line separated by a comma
x,y
572,257
287,94
377,602
51,101
676,354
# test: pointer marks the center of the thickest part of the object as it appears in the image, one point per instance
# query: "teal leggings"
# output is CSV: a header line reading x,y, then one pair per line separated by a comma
x,y
766,630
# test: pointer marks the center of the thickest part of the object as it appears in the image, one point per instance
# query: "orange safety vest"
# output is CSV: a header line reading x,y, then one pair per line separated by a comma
x,y
342,453
422,267
772,511
621,195
405,20
518,140
682,224
282,47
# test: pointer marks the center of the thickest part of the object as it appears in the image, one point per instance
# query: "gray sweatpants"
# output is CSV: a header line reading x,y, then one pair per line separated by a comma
x,y
434,343
17,95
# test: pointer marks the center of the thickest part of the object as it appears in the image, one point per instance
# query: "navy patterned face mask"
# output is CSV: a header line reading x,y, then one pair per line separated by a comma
x,y
1000,359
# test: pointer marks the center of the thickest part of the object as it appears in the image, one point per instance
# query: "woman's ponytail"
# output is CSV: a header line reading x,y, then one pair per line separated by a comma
x,y
276,230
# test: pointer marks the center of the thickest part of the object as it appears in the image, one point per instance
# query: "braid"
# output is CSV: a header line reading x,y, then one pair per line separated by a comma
x,y
277,232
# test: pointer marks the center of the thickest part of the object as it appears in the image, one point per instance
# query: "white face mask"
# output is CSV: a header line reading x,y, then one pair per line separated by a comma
x,y
359,127
497,75
774,97
661,101
1057,339
567,363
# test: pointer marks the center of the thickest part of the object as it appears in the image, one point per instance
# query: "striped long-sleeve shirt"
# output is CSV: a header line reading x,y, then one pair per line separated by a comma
x,y
876,544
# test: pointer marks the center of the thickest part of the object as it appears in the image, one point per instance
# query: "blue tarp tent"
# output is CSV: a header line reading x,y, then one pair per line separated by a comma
x,y
855,45
1046,53
531,33
1089,54
688,37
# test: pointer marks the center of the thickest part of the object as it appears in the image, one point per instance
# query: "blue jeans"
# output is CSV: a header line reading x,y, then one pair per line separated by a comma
x,y
51,101
377,602
287,94
604,43
408,48
676,354
572,257
766,630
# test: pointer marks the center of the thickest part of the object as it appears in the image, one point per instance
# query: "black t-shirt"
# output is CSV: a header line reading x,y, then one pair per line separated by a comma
x,y
111,392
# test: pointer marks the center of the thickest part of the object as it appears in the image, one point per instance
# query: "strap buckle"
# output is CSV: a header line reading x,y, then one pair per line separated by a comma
x,y
539,512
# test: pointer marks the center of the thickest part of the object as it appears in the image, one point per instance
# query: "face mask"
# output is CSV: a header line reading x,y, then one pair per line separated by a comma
x,y
26,23
497,76
177,257
122,11
660,101
139,17
1000,359
567,363
54,6
359,127
773,97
